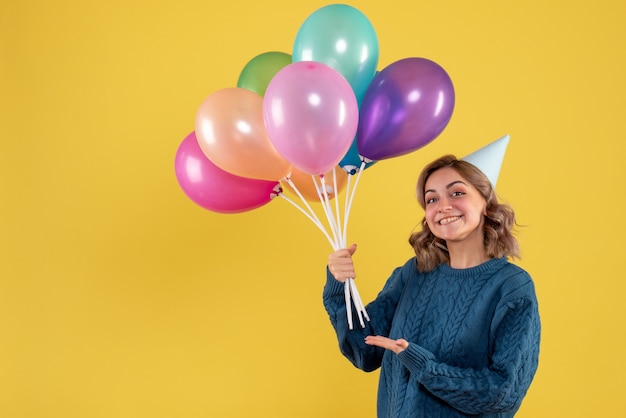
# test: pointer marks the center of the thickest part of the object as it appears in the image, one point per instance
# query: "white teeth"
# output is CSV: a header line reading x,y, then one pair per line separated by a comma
x,y
448,220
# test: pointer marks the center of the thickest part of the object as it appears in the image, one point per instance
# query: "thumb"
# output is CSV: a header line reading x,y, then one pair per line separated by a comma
x,y
352,249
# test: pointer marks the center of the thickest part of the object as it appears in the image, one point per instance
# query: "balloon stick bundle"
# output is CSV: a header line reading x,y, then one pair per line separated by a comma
x,y
338,230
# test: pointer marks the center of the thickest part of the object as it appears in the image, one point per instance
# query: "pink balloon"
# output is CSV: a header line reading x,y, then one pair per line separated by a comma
x,y
311,115
215,189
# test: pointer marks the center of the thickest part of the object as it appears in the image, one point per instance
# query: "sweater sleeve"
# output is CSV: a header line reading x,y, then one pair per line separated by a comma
x,y
380,311
514,359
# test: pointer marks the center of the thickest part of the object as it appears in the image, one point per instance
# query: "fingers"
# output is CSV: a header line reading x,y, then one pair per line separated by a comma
x,y
396,346
379,341
341,265
343,252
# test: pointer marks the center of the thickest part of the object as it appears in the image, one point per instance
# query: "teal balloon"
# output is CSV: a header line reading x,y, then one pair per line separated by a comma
x,y
353,161
343,38
259,71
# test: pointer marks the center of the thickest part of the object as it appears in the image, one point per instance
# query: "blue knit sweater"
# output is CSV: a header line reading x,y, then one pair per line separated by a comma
x,y
473,339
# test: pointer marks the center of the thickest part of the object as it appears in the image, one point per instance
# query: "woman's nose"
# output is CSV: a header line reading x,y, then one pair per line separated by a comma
x,y
444,205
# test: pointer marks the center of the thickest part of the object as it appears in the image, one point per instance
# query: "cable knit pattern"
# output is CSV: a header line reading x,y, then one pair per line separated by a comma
x,y
473,339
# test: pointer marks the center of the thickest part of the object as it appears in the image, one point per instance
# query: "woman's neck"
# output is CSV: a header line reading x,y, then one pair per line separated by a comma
x,y
467,253
464,260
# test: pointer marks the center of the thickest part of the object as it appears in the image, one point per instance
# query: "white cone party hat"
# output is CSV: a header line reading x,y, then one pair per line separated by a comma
x,y
489,158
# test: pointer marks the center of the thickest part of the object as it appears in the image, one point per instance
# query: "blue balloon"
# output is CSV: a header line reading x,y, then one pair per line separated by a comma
x,y
343,38
352,161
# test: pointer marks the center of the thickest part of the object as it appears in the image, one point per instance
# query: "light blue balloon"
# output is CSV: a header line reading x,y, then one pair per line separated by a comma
x,y
352,161
343,38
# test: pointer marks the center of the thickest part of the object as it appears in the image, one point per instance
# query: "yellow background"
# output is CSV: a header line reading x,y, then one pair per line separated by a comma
x,y
119,297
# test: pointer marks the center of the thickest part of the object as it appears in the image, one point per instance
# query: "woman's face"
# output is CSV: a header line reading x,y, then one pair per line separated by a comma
x,y
454,208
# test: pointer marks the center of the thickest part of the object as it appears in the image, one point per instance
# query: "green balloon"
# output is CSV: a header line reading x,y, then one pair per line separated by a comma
x,y
259,71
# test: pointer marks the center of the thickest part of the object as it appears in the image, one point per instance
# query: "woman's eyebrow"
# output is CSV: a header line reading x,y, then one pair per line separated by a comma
x,y
447,187
455,182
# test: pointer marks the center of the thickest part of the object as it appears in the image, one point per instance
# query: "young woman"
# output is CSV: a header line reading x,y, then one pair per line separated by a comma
x,y
455,329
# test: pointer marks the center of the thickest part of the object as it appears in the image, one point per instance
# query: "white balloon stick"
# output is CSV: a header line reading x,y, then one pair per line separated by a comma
x,y
339,231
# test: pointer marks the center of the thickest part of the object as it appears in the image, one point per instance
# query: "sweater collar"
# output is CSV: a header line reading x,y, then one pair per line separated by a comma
x,y
486,267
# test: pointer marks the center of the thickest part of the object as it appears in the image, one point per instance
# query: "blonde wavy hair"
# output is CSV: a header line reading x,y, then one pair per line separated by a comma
x,y
498,226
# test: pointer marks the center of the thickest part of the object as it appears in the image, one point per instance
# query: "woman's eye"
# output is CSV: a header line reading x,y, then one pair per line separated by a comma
x,y
457,194
431,200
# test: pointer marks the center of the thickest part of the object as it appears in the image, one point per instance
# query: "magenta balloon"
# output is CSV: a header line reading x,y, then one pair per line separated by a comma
x,y
406,106
215,189
311,115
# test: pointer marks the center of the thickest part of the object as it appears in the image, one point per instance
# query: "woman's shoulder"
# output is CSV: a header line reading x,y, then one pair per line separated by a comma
x,y
405,271
410,265
515,280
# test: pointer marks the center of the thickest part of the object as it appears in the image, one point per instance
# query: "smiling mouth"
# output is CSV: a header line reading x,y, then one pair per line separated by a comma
x,y
445,221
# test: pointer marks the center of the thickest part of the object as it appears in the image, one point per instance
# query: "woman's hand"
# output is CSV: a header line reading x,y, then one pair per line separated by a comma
x,y
397,346
340,264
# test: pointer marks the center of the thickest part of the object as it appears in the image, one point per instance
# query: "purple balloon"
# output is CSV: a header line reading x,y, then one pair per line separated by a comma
x,y
215,189
406,106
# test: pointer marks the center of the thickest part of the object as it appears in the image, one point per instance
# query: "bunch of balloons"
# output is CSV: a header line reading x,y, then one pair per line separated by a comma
x,y
322,112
